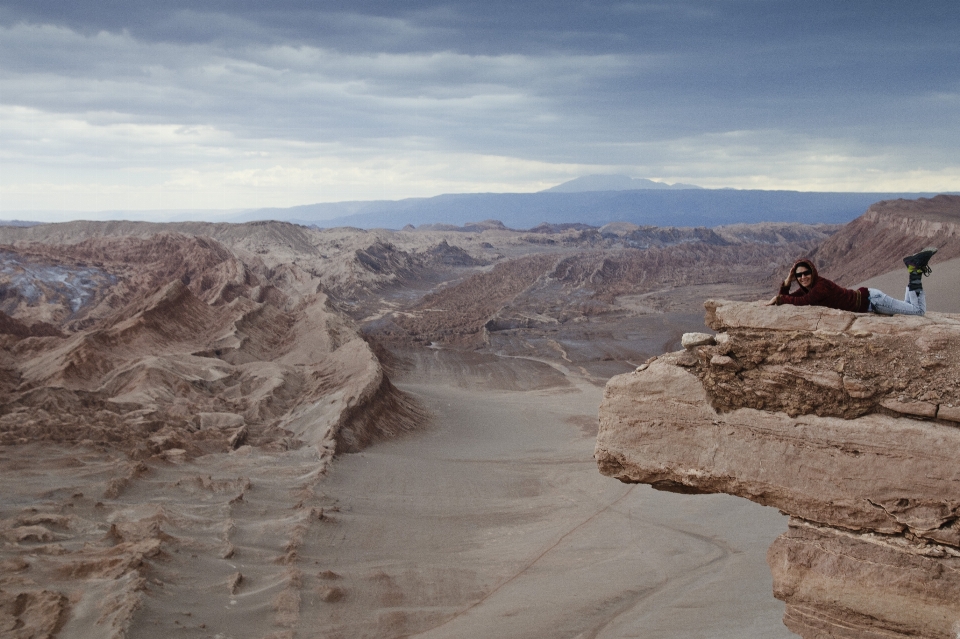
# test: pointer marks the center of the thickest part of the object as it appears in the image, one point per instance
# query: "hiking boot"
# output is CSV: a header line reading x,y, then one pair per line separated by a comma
x,y
917,263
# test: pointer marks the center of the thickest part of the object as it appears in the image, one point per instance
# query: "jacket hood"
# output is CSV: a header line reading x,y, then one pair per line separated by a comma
x,y
813,269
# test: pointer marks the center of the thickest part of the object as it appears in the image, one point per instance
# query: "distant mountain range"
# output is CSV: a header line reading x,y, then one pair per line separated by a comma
x,y
18,223
655,207
591,199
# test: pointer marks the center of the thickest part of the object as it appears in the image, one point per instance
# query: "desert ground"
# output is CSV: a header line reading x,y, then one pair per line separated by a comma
x,y
267,431
493,521
502,493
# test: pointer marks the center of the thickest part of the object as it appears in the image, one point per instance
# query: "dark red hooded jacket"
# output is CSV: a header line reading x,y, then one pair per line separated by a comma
x,y
823,292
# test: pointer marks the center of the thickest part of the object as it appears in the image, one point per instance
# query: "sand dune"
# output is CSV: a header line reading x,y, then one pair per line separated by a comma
x,y
183,351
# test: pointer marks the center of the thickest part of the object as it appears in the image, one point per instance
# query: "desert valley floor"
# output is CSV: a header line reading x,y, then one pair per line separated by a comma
x,y
268,431
491,522
502,492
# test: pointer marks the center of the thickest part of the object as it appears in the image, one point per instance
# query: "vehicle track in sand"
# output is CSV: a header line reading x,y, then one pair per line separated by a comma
x,y
503,492
664,591
531,563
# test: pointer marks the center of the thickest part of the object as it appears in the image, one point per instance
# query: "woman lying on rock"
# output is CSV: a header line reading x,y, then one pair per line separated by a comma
x,y
819,291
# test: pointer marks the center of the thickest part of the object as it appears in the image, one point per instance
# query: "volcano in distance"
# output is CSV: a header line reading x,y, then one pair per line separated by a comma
x,y
614,183
599,199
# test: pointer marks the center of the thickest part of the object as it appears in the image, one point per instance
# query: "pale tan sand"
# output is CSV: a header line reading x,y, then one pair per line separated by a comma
x,y
942,286
493,522
496,523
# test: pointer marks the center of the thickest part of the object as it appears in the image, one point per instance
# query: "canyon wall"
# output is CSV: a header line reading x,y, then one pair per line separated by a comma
x,y
849,423
875,242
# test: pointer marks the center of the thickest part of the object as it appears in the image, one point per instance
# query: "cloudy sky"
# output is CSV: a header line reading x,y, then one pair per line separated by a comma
x,y
193,104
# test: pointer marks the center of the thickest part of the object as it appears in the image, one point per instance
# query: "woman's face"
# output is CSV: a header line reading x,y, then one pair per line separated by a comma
x,y
803,274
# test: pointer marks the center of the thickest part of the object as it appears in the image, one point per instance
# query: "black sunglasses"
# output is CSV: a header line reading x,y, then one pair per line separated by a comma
x,y
803,273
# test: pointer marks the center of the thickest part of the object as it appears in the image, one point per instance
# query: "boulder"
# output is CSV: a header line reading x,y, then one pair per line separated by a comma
x,y
691,340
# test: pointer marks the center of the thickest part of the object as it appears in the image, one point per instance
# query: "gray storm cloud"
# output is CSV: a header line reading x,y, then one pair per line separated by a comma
x,y
418,98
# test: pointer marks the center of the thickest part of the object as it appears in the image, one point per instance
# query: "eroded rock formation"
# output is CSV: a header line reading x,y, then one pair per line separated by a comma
x,y
176,342
143,353
158,382
849,423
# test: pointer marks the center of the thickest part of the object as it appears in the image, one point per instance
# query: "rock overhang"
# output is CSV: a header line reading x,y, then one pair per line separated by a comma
x,y
847,422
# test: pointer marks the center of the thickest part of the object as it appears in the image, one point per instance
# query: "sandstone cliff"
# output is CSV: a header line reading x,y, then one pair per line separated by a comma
x,y
849,423
875,242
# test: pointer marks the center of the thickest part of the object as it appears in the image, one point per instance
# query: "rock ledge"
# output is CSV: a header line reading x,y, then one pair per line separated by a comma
x,y
846,422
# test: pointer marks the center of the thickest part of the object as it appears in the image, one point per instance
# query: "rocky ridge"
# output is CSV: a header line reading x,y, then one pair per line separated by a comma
x,y
848,423
875,242
172,331
583,279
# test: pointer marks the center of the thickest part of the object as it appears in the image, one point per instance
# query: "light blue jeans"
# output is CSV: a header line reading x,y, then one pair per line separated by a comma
x,y
914,303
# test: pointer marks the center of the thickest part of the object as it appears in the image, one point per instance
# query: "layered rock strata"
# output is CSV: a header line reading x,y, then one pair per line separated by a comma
x,y
848,423
876,241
